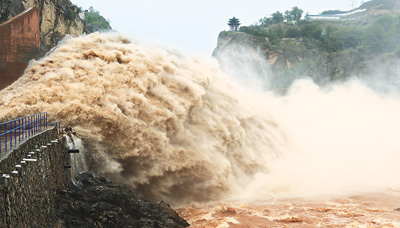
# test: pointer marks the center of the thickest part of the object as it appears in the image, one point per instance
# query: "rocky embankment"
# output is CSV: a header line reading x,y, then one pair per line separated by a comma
x,y
96,202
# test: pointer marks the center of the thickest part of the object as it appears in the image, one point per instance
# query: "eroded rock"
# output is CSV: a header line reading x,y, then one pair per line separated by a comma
x,y
96,202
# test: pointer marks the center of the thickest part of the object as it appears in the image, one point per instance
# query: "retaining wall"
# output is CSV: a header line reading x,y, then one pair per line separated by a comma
x,y
19,43
27,198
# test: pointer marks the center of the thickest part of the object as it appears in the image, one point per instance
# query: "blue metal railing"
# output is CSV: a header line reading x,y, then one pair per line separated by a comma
x,y
15,131
57,124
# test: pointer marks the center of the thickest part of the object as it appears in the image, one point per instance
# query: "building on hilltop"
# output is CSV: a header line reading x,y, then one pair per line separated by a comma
x,y
342,16
234,24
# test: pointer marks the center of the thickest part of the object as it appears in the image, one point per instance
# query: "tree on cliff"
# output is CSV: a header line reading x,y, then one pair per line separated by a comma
x,y
288,16
234,24
294,15
277,17
94,18
297,13
266,21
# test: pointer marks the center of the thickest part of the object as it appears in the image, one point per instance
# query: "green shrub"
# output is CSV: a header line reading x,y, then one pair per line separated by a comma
x,y
93,17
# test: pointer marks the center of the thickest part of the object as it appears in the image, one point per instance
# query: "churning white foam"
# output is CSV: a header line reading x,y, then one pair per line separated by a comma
x,y
344,140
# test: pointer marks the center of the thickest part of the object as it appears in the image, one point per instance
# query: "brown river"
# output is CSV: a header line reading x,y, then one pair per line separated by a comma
x,y
366,210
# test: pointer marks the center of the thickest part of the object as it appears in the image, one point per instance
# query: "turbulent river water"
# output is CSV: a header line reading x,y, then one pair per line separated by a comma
x,y
176,128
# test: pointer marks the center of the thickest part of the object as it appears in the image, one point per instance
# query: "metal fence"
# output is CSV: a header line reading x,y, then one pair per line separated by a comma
x,y
13,132
56,124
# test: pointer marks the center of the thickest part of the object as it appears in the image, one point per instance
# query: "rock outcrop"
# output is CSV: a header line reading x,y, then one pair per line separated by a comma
x,y
31,28
96,202
276,65
239,44
58,18
251,59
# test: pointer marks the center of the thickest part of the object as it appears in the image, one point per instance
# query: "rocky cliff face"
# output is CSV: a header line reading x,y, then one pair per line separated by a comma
x,y
236,44
58,18
255,60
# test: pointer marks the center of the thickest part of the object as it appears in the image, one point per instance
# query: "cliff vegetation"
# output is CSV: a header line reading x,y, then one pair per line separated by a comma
x,y
323,49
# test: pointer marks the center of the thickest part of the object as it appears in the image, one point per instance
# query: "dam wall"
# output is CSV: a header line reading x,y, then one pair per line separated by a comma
x,y
31,176
19,43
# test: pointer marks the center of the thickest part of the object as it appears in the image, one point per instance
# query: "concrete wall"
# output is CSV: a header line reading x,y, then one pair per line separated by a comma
x,y
19,43
27,199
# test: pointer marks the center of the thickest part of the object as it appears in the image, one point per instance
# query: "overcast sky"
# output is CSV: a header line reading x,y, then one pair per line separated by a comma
x,y
192,26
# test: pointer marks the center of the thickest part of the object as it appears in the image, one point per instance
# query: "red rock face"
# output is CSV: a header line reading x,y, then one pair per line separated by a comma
x,y
19,43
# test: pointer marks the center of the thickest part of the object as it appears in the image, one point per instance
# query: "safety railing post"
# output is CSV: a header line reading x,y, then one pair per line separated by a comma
x,y
26,127
32,125
19,130
11,139
15,133
36,123
23,128
5,133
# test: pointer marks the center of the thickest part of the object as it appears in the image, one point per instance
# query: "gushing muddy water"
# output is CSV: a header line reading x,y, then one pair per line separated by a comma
x,y
176,128
368,210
